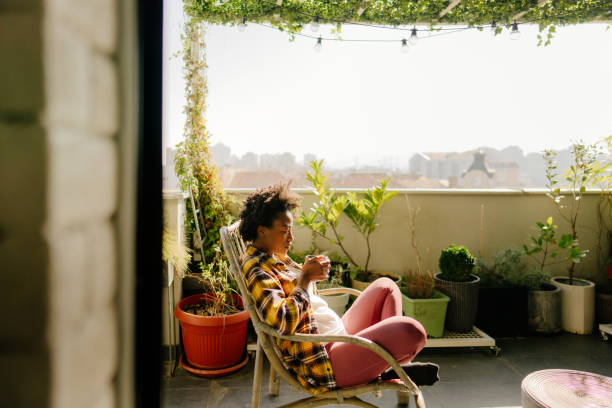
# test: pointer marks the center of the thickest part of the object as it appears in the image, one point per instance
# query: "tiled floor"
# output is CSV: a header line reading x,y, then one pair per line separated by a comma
x,y
470,378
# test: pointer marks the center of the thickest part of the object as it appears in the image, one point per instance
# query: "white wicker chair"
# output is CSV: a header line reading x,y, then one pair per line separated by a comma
x,y
234,248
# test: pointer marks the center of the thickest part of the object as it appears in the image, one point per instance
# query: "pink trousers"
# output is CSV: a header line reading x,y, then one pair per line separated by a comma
x,y
375,315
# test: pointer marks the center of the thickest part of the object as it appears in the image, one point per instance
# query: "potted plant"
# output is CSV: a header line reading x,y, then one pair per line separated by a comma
x,y
544,297
214,324
324,216
456,280
420,299
502,298
577,295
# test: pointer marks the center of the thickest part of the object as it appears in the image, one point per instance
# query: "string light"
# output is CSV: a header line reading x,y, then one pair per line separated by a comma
x,y
515,34
314,26
404,46
319,45
414,39
242,26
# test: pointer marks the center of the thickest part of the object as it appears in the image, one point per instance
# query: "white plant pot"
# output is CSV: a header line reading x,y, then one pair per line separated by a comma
x,y
577,304
337,303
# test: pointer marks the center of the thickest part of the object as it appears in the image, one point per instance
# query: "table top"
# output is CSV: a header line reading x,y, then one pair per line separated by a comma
x,y
559,388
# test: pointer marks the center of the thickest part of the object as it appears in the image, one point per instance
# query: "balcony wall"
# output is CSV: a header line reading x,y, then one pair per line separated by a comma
x,y
454,216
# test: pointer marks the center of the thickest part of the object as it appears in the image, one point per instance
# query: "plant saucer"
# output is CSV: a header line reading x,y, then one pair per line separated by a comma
x,y
202,372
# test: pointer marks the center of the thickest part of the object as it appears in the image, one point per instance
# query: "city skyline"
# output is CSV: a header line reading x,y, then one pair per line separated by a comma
x,y
484,167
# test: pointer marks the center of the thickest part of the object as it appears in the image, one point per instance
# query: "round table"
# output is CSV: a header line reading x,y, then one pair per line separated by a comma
x,y
566,389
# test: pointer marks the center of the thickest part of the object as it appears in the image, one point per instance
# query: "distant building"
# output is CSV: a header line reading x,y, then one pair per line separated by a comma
x,y
478,175
440,166
308,157
221,154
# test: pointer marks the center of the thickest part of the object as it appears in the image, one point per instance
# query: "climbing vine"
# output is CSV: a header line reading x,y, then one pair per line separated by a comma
x,y
193,164
293,15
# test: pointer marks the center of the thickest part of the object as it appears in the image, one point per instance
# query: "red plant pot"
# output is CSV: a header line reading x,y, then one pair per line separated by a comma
x,y
212,342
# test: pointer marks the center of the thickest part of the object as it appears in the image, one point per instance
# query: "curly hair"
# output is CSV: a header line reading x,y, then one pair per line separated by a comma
x,y
263,206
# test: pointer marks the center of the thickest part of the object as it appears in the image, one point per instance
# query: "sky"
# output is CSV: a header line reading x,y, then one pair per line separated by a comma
x,y
370,104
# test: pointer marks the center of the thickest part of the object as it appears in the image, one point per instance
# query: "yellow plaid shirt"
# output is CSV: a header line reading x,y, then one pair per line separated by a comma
x,y
286,307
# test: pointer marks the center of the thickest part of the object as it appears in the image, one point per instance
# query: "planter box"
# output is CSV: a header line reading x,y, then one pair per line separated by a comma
x,y
502,312
431,313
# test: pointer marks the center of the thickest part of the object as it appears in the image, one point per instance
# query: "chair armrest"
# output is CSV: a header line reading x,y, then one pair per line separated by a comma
x,y
337,291
344,338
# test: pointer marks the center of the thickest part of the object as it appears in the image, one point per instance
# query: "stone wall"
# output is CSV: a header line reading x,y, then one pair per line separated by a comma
x,y
59,119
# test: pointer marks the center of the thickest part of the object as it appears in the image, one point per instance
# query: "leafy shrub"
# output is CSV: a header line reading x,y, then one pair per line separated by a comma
x,y
456,263
506,270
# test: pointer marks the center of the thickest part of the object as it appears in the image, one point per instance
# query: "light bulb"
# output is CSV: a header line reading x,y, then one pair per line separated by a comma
x,y
319,45
404,46
413,37
515,34
242,26
314,26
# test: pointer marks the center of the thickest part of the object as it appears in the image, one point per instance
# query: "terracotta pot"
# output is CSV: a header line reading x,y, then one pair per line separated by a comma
x,y
361,285
212,342
577,304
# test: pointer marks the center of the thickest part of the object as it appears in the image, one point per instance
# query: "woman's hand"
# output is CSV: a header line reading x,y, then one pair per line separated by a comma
x,y
315,268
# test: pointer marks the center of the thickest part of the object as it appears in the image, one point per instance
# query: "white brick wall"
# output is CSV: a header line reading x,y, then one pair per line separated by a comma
x,y
59,166
81,118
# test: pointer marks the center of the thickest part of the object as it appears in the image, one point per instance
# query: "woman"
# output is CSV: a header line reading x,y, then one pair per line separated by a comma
x,y
286,296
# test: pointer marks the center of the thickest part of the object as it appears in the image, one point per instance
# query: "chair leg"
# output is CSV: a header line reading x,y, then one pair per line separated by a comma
x,y
419,400
257,376
274,383
403,398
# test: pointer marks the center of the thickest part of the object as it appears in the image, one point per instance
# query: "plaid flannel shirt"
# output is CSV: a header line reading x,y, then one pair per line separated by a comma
x,y
286,307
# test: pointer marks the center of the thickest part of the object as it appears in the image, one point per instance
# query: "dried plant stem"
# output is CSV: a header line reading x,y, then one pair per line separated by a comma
x,y
412,212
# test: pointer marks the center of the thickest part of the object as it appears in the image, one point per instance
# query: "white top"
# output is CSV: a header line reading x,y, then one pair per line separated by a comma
x,y
328,322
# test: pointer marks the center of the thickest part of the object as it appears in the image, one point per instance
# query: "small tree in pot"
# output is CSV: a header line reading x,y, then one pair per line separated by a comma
x,y
544,298
324,216
456,280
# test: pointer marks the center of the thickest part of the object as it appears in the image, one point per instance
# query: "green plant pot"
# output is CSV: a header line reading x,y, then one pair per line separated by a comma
x,y
431,313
